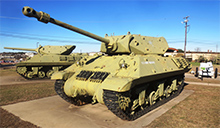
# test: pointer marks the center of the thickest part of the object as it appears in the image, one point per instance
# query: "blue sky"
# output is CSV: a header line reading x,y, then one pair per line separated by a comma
x,y
148,18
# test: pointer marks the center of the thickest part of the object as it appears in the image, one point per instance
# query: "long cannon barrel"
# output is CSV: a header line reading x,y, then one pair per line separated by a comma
x,y
24,49
55,50
45,18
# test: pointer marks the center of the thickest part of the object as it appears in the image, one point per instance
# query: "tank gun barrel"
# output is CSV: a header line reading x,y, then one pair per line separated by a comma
x,y
45,18
24,49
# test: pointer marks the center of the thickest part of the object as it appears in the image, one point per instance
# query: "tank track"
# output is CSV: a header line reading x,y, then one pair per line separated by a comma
x,y
111,101
60,91
81,100
34,78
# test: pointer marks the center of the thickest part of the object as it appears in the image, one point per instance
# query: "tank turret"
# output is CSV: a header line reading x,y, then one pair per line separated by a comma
x,y
45,50
124,44
48,60
133,79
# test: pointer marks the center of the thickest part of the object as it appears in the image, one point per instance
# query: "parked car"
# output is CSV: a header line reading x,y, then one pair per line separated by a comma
x,y
206,70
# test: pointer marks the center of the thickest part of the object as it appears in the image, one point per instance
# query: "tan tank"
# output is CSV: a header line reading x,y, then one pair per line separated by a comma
x,y
48,60
131,79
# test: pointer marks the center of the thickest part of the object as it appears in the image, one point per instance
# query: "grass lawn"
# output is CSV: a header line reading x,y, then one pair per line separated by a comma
x,y
194,63
198,63
17,93
7,72
201,109
10,94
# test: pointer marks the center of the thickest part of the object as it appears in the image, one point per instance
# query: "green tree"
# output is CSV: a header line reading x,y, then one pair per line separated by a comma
x,y
180,51
202,59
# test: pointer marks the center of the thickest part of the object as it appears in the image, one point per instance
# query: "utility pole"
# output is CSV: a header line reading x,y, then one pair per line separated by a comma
x,y
185,21
37,44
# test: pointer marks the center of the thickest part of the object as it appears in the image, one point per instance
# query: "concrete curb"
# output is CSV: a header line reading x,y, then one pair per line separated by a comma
x,y
53,112
200,83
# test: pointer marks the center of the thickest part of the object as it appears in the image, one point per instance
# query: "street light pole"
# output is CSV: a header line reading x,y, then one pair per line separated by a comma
x,y
185,21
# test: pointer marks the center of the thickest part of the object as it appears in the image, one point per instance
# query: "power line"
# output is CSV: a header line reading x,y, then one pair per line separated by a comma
x,y
52,40
214,41
89,21
38,35
192,40
14,18
28,36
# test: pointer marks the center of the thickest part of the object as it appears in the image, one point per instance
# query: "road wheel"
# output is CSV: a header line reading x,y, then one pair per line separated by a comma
x,y
41,74
152,98
49,73
29,74
21,70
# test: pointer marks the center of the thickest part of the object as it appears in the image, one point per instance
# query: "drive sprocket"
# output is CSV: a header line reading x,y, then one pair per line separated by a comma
x,y
111,101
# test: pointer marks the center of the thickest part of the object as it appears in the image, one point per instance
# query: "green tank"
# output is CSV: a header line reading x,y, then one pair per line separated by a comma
x,y
131,78
48,60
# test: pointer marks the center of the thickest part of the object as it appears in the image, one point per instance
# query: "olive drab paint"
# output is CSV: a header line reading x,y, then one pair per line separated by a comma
x,y
48,60
131,78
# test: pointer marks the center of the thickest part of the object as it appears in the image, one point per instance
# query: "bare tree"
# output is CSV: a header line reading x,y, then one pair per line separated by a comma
x,y
197,49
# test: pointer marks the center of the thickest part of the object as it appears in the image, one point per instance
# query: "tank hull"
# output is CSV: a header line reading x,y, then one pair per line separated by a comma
x,y
132,79
43,66
137,75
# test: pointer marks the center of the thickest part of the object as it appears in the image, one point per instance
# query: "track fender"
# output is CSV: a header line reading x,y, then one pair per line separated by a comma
x,y
57,75
117,84
62,75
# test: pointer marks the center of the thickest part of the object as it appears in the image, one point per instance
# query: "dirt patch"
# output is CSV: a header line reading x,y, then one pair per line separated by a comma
x,y
11,77
7,71
17,93
9,120
17,89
